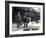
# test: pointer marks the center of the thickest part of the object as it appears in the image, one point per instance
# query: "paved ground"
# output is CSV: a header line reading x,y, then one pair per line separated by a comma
x,y
30,26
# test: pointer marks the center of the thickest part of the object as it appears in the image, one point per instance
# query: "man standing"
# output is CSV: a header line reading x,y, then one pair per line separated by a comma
x,y
18,20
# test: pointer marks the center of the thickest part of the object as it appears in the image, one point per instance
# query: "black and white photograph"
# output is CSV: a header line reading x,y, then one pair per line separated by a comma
x,y
25,18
